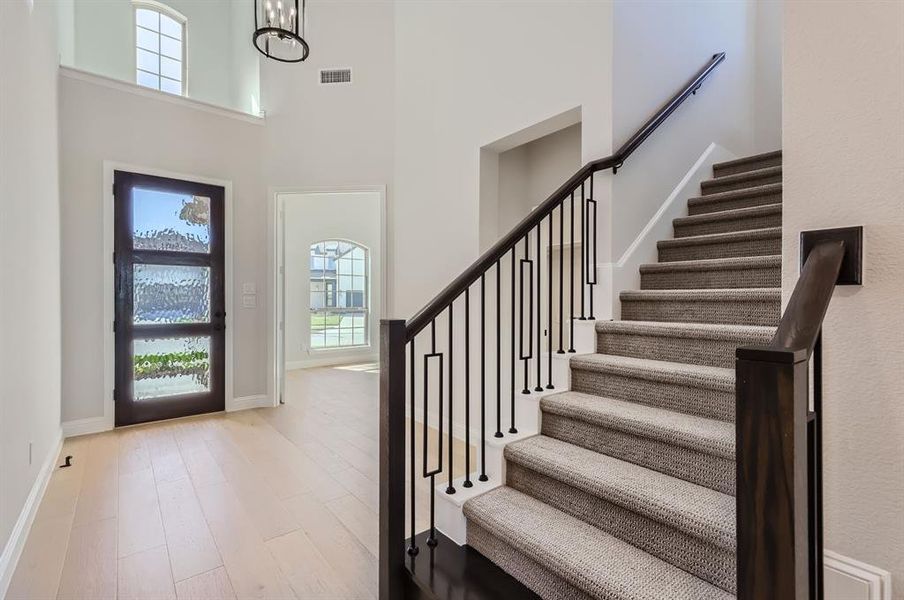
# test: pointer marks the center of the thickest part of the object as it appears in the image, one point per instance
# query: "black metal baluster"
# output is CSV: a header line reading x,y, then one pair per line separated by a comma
x,y
571,299
817,583
450,489
561,349
499,352
467,482
539,386
583,250
593,238
483,380
512,388
431,474
412,548
549,384
525,356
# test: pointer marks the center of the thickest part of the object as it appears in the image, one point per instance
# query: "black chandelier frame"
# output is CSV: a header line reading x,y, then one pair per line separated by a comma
x,y
262,36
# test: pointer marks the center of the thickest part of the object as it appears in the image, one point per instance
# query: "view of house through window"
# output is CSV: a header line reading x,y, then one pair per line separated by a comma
x,y
339,294
159,48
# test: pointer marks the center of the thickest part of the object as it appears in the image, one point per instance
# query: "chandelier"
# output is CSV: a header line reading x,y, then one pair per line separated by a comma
x,y
279,30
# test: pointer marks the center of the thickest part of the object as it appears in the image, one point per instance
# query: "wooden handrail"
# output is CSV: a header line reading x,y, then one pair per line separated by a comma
x,y
504,245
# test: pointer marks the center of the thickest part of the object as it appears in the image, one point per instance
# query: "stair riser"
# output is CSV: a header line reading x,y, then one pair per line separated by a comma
x,y
694,351
692,400
705,208
748,166
728,278
735,312
532,574
743,224
693,555
759,247
707,470
714,186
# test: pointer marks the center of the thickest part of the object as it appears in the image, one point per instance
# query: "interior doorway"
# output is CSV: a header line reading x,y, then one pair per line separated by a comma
x,y
330,271
169,298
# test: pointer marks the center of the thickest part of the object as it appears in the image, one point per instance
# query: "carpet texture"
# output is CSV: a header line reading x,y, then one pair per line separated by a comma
x,y
627,493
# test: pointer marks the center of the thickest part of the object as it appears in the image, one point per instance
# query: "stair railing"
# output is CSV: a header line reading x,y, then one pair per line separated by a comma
x,y
779,431
511,272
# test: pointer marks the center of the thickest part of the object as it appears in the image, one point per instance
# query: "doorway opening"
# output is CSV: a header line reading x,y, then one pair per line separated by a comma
x,y
330,279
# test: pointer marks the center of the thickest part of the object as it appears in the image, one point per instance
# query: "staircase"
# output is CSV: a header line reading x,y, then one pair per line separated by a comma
x,y
628,490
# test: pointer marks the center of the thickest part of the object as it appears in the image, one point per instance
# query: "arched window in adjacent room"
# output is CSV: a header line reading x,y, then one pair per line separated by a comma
x,y
159,47
340,293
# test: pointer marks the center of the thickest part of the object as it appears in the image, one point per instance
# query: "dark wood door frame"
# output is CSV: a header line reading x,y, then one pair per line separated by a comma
x,y
126,410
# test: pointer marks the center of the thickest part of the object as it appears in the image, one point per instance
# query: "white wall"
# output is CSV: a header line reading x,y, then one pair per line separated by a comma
x,y
29,253
467,74
218,70
310,218
100,123
767,88
658,47
844,165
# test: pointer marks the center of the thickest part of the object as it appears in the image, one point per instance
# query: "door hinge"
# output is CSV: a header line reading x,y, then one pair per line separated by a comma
x,y
114,326
115,395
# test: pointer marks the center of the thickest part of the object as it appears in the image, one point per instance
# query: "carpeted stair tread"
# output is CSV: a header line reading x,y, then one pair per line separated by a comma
x,y
737,219
710,344
751,242
742,306
752,196
717,378
742,180
735,263
599,564
695,510
731,272
748,163
708,436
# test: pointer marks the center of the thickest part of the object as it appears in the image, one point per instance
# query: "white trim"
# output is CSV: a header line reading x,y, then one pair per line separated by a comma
x,y
844,572
134,88
329,361
276,379
86,426
108,269
19,534
247,402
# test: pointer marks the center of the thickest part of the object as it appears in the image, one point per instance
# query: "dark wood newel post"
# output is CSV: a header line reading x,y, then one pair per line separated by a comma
x,y
392,459
771,452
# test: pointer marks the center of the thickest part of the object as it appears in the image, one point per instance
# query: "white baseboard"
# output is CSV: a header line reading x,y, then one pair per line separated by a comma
x,y
85,426
17,537
849,579
247,402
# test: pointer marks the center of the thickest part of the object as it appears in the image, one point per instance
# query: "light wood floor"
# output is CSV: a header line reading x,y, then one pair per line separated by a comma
x,y
268,503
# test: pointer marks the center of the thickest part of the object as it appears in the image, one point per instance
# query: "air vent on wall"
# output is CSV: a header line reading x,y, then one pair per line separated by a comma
x,y
331,76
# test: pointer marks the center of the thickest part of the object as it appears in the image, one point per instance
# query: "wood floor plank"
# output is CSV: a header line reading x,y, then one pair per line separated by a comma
x,y
202,467
165,456
98,495
133,451
310,576
337,545
191,545
146,575
359,519
40,567
212,585
140,523
89,571
251,568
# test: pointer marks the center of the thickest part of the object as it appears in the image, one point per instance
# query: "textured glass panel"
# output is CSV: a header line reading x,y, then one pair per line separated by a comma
x,y
170,27
149,19
148,80
170,221
171,294
170,366
171,68
170,47
147,61
171,87
147,39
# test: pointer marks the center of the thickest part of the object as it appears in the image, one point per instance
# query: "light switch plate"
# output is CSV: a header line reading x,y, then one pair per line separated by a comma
x,y
249,288
249,301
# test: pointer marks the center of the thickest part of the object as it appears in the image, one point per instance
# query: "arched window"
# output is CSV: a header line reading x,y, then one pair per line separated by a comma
x,y
340,294
159,47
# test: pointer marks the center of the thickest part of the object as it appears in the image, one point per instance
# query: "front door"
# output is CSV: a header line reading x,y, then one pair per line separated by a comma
x,y
170,298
